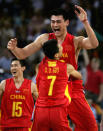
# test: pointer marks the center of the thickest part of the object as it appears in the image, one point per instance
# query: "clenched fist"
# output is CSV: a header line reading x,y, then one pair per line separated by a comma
x,y
12,44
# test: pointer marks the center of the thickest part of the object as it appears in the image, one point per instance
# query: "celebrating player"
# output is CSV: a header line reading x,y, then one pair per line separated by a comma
x,y
16,95
78,110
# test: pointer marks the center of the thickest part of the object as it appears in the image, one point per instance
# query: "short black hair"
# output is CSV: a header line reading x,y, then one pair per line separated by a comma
x,y
50,48
22,62
60,11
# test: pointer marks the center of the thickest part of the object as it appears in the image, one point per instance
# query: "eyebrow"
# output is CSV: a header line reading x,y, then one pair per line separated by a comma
x,y
56,20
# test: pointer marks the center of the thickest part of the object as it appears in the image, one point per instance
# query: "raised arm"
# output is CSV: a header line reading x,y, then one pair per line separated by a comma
x,y
22,53
34,91
71,71
2,89
91,41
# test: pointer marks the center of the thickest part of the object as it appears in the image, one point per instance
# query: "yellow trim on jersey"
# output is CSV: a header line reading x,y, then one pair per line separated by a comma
x,y
67,93
62,60
29,129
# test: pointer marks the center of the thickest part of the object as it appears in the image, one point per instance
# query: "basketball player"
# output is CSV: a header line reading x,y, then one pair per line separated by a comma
x,y
52,78
16,95
79,111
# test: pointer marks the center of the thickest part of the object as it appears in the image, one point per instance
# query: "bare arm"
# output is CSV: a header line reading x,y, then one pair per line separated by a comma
x,y
22,53
86,57
71,71
34,91
100,97
91,41
2,89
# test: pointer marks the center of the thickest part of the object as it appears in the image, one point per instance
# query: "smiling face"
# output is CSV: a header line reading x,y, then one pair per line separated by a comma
x,y
16,68
59,25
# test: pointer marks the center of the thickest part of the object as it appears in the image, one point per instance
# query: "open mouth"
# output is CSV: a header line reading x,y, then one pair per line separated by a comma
x,y
56,30
13,72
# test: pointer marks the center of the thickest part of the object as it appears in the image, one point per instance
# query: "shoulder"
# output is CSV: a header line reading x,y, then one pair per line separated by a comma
x,y
70,36
43,38
2,85
45,35
69,66
78,39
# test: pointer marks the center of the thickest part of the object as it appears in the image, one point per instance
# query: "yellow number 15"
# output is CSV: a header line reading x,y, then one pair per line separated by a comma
x,y
17,109
53,78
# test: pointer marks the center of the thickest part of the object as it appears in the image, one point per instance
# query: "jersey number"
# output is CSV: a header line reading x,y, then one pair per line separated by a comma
x,y
17,109
53,78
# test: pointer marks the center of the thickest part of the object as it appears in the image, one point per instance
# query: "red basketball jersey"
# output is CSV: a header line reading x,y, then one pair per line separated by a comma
x,y
17,105
68,49
69,57
51,83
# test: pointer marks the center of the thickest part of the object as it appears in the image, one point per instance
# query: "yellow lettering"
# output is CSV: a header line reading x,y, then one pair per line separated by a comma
x,y
51,63
13,97
45,69
50,70
65,55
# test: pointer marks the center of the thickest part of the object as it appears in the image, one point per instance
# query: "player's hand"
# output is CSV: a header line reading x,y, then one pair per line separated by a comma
x,y
82,15
12,44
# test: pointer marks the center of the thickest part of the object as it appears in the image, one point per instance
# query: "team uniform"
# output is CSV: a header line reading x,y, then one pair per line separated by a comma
x,y
79,110
0,119
51,111
17,106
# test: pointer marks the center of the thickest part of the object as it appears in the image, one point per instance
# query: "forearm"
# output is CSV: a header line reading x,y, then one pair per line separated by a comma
x,y
76,74
86,57
91,35
36,95
100,97
19,53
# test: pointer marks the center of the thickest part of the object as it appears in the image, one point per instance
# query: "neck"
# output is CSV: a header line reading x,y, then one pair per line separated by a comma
x,y
61,38
57,58
18,79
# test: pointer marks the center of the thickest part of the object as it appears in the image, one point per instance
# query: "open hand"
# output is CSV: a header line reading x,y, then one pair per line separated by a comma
x,y
82,15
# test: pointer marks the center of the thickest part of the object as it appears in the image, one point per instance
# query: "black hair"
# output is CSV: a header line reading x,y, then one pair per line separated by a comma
x,y
22,62
60,11
50,48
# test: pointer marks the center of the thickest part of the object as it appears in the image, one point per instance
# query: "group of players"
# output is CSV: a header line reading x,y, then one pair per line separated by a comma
x,y
56,96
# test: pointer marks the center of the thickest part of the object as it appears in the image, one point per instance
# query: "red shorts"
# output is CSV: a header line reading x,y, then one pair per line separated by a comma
x,y
17,129
54,118
81,115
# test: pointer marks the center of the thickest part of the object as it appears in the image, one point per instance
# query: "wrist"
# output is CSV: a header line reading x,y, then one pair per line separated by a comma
x,y
13,49
85,20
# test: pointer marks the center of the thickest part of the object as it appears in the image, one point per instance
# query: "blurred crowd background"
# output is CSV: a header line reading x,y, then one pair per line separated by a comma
x,y
27,19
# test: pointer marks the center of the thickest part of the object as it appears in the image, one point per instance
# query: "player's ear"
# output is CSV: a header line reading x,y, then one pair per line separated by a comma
x,y
56,55
67,22
23,68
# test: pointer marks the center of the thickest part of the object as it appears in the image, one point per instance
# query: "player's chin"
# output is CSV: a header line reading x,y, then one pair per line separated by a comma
x,y
57,34
14,75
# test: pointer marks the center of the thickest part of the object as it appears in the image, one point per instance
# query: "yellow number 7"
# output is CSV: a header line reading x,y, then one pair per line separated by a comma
x,y
53,78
